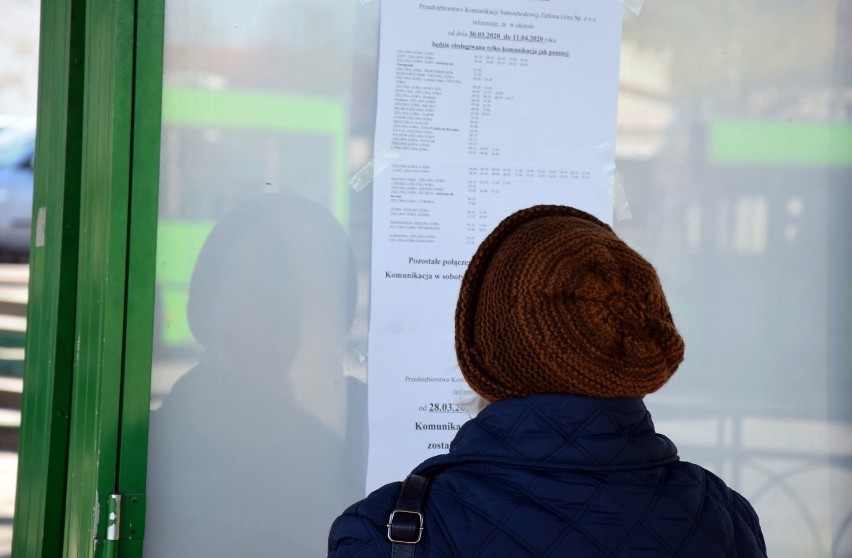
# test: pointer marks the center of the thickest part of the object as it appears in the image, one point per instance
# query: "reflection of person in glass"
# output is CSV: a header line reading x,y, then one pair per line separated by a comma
x,y
249,457
563,329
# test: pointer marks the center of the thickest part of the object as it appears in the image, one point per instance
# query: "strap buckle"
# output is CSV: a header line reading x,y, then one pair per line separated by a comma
x,y
408,528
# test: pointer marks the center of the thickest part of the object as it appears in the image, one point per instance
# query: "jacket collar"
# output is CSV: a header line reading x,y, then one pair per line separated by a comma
x,y
558,431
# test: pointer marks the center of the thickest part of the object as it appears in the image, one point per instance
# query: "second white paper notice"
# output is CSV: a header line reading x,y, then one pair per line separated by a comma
x,y
483,108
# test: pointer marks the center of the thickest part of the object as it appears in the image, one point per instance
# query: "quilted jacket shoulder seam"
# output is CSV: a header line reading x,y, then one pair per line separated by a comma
x,y
653,533
727,496
697,515
746,513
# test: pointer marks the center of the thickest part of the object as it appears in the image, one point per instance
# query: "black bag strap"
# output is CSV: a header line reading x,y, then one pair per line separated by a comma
x,y
405,526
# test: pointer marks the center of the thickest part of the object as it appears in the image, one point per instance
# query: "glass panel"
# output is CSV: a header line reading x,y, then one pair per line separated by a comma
x,y
735,148
734,158
258,425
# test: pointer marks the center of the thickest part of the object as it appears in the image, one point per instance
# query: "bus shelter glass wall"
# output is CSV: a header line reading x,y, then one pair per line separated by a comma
x,y
734,179
258,425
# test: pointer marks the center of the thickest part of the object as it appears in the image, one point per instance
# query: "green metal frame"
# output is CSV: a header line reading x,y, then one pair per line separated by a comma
x,y
87,375
139,333
105,194
40,501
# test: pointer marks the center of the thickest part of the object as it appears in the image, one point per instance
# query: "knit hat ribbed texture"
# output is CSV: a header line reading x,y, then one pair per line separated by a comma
x,y
554,302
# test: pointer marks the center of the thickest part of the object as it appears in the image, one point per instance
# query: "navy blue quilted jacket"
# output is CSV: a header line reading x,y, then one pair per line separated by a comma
x,y
561,476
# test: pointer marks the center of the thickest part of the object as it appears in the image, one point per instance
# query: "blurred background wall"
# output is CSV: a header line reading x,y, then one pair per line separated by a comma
x,y
18,57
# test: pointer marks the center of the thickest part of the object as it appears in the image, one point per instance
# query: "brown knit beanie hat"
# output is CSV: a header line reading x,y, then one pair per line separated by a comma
x,y
554,302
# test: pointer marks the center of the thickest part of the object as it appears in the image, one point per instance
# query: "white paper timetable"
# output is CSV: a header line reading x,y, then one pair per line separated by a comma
x,y
483,108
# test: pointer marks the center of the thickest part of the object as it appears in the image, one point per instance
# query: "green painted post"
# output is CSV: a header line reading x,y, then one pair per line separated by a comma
x,y
85,395
39,504
98,358
142,259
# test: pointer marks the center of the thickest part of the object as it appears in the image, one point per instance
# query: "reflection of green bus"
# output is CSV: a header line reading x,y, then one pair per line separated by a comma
x,y
781,143
235,144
